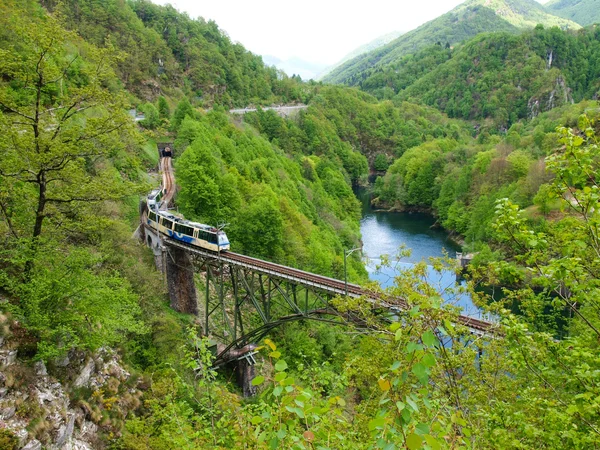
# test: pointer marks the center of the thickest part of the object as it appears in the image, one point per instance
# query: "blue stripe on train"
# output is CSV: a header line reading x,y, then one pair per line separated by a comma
x,y
183,237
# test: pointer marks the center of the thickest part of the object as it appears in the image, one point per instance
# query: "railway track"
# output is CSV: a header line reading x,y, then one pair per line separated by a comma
x,y
166,167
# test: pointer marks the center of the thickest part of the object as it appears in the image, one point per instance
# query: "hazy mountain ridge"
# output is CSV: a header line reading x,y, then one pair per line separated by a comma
x,y
584,12
463,22
373,45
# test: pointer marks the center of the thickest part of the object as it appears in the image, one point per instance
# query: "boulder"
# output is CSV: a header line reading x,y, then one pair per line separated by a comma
x,y
84,376
33,445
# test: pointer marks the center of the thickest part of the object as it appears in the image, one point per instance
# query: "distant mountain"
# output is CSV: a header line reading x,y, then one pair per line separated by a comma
x,y
463,22
584,12
374,44
295,66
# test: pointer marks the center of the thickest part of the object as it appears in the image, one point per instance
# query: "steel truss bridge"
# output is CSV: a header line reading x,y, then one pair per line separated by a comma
x,y
246,297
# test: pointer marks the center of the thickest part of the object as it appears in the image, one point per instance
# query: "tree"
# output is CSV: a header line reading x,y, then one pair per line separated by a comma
x,y
184,109
164,112
151,120
59,117
381,162
560,260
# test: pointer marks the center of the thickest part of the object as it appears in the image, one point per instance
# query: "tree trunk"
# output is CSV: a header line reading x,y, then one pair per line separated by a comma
x,y
39,221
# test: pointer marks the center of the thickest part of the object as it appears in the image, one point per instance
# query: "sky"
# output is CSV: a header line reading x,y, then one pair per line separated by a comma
x,y
320,32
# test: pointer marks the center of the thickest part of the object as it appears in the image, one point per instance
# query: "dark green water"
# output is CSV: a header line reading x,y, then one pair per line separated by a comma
x,y
383,233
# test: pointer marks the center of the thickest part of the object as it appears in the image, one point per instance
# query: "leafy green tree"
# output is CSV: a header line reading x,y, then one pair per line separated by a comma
x,y
164,112
183,110
381,162
58,119
151,119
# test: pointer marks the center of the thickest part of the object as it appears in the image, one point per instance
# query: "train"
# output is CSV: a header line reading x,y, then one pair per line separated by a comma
x,y
193,233
175,227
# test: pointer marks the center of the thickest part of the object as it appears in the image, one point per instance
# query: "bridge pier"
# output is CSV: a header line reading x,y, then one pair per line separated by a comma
x,y
241,361
180,281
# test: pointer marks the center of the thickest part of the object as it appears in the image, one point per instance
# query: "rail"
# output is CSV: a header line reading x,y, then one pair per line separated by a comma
x,y
166,167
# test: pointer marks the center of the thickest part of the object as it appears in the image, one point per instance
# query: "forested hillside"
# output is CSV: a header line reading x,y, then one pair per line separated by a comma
x,y
496,76
167,52
463,22
584,12
92,356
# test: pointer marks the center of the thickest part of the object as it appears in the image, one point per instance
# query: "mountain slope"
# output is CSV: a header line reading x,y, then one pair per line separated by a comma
x,y
497,75
584,12
373,45
166,52
465,21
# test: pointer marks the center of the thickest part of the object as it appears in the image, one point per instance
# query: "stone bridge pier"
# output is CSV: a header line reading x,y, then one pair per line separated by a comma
x,y
175,264
180,281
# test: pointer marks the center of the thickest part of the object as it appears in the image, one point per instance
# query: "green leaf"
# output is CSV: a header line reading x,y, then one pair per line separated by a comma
x,y
413,346
258,380
376,423
428,360
281,365
414,441
432,442
256,420
398,334
276,354
429,338
412,404
422,428
395,365
280,376
394,326
277,391
420,370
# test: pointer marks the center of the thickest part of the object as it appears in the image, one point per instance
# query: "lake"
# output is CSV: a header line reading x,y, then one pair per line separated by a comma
x,y
383,233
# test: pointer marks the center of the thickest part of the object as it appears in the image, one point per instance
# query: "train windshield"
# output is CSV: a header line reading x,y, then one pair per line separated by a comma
x,y
223,239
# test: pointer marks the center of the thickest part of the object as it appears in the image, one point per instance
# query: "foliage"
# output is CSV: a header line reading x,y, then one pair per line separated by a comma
x,y
151,116
584,12
167,51
234,176
8,440
498,76
463,22
59,121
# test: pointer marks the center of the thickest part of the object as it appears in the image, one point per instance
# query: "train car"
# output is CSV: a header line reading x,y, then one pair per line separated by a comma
x,y
197,234
154,198
167,152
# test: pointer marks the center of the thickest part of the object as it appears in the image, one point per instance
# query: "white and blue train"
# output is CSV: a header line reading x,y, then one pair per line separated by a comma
x,y
197,234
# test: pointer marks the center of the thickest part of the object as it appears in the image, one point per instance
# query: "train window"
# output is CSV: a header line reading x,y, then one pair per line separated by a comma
x,y
213,238
167,223
152,216
184,229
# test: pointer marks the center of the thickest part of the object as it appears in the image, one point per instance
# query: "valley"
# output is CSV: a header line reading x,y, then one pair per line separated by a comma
x,y
481,125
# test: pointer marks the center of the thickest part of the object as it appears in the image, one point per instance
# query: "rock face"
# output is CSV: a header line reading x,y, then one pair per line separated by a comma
x,y
37,409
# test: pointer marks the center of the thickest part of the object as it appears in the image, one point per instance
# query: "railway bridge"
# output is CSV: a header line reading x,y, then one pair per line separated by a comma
x,y
244,298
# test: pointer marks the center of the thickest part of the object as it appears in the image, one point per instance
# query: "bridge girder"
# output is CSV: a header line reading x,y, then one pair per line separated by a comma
x,y
240,306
